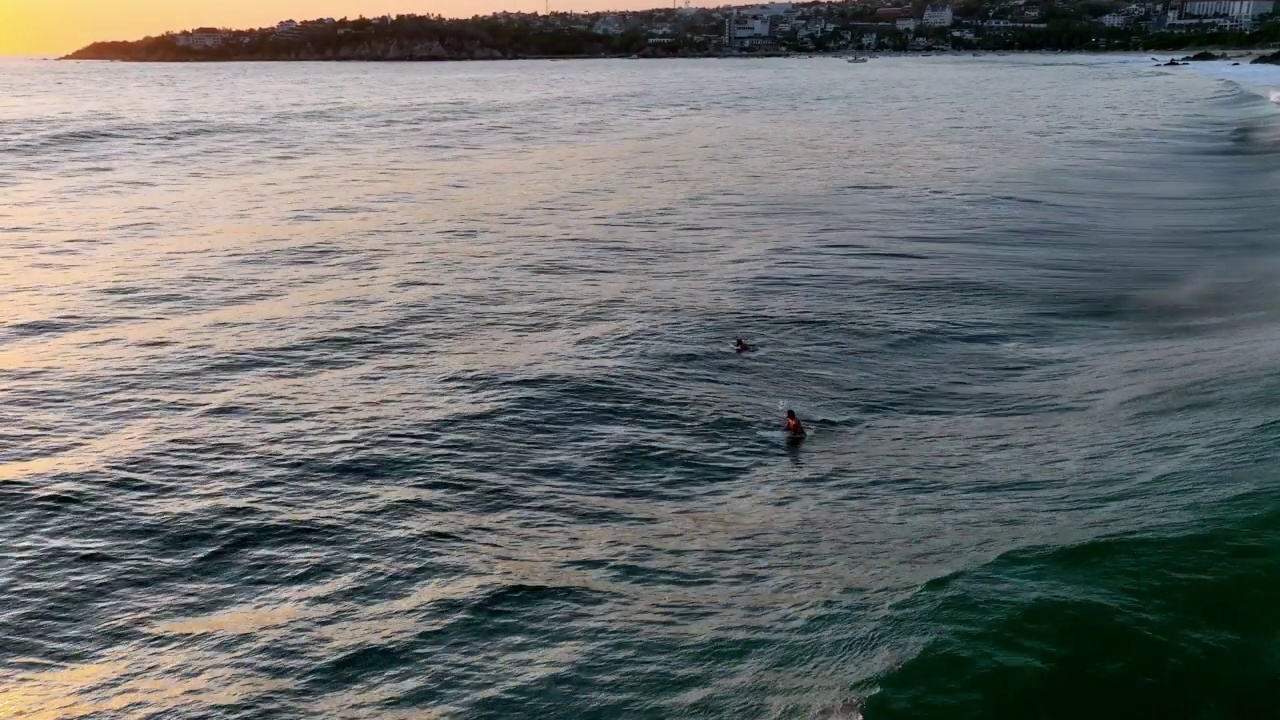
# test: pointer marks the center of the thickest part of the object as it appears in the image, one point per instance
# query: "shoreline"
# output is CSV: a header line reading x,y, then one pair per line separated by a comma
x,y
1231,54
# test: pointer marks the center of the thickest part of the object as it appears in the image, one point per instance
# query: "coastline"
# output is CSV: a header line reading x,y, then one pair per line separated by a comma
x,y
1242,55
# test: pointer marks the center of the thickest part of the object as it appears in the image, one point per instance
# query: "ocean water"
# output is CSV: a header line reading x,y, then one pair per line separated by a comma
x,y
407,390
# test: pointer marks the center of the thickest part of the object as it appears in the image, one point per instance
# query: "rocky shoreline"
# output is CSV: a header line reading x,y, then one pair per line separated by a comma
x,y
392,50
400,50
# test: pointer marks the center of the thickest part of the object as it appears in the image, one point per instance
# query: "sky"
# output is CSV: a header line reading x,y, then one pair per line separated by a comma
x,y
56,27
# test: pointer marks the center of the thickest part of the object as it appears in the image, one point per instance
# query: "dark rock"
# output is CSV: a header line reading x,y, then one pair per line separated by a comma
x,y
1272,59
1203,56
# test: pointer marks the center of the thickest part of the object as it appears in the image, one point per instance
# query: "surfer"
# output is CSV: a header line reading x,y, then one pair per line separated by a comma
x,y
742,346
795,431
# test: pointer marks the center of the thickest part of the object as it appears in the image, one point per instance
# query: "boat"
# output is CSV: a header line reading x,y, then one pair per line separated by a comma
x,y
856,59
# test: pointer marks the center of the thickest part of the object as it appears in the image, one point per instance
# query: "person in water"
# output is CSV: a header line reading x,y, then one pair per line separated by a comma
x,y
795,430
742,346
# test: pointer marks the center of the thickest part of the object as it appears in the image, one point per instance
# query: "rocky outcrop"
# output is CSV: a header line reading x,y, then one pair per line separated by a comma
x,y
364,50
1272,59
1203,57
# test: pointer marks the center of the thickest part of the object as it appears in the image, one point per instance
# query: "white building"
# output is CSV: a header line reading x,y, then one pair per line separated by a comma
x,y
1114,20
1242,10
938,16
207,38
289,30
906,24
747,29
1200,24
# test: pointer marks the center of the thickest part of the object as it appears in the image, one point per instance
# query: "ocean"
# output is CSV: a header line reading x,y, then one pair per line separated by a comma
x,y
408,390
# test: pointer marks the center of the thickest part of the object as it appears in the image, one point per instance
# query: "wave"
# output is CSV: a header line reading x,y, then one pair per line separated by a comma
x,y
164,132
1260,81
1177,624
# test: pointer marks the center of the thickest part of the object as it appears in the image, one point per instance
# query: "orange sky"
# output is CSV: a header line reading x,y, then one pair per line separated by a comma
x,y
53,27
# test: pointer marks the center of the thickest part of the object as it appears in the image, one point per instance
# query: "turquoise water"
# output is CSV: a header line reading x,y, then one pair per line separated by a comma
x,y
381,391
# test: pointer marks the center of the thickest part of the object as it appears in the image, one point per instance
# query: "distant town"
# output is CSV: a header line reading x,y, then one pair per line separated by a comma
x,y
777,28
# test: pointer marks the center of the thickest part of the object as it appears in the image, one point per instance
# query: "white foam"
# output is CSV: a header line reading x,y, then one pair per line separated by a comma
x,y
1263,80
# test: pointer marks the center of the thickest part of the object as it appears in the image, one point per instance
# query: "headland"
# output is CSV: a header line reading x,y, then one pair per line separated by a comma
x,y
762,30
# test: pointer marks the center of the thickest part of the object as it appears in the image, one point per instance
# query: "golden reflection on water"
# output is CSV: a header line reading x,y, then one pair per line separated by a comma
x,y
161,680
93,453
234,621
86,691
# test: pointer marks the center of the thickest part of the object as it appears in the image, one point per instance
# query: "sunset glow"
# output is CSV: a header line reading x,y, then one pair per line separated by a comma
x,y
54,27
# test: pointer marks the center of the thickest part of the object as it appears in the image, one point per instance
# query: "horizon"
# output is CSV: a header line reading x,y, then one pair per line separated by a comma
x,y
49,28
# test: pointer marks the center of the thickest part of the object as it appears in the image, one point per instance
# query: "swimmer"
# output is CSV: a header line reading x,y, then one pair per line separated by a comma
x,y
795,431
742,346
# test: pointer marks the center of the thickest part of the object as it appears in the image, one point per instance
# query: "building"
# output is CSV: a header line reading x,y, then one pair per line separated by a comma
x,y
207,38
1202,24
890,13
288,30
1114,20
906,24
940,16
608,25
1242,11
748,29
773,9
926,43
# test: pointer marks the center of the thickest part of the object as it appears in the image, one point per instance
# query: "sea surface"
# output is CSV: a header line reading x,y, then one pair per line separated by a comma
x,y
407,390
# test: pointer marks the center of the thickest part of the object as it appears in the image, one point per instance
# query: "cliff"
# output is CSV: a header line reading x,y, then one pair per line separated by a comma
x,y
405,38
370,50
